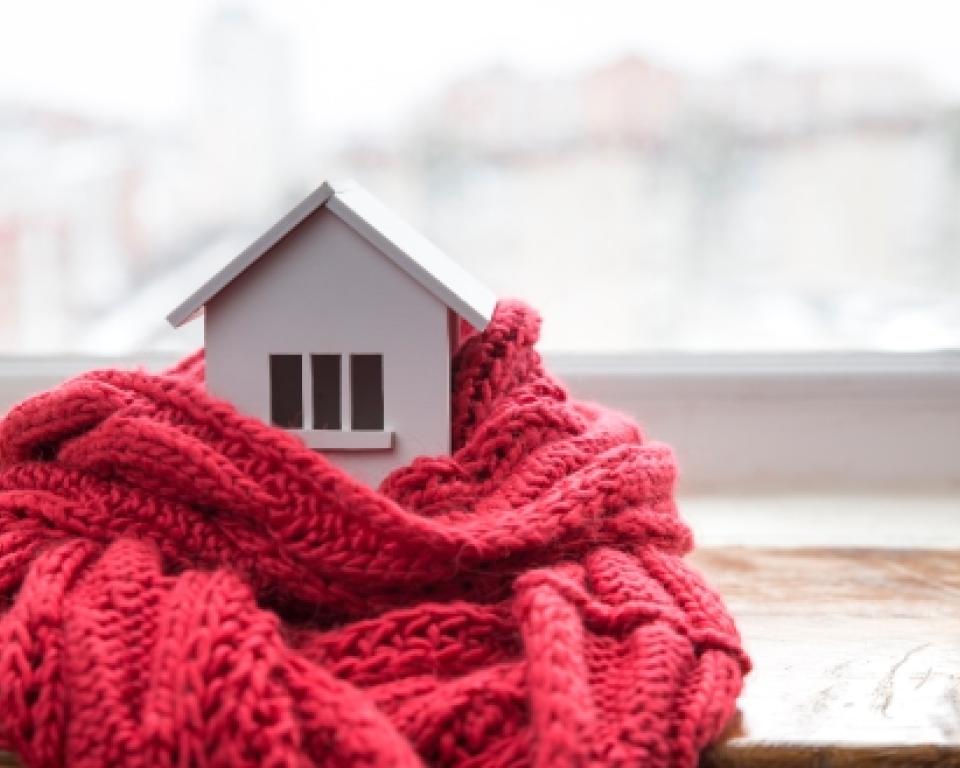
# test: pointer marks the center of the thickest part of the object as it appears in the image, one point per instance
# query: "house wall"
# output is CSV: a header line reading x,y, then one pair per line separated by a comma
x,y
325,290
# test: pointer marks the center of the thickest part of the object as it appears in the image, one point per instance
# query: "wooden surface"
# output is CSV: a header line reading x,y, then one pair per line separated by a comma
x,y
856,656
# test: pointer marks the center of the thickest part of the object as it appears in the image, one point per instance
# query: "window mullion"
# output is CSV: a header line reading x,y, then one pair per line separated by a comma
x,y
306,377
346,394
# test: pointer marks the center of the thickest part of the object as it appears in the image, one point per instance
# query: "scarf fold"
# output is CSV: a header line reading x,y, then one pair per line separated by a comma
x,y
184,585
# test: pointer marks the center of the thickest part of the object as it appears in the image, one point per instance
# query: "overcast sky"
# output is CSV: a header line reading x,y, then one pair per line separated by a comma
x,y
368,62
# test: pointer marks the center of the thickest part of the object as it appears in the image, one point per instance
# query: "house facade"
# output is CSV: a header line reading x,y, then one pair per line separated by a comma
x,y
339,325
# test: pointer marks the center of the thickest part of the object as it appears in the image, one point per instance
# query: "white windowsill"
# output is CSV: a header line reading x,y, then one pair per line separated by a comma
x,y
346,440
740,423
801,520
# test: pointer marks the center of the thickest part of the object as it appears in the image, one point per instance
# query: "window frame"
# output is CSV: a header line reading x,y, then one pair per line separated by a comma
x,y
344,437
739,423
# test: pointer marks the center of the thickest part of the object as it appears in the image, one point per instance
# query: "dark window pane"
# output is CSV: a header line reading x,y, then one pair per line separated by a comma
x,y
326,391
366,386
286,391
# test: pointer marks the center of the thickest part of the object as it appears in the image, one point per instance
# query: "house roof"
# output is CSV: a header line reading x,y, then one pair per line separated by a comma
x,y
383,229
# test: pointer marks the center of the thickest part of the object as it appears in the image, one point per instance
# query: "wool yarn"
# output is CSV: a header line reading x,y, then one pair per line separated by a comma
x,y
183,585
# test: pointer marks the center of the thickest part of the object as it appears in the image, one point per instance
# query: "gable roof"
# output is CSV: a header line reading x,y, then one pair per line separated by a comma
x,y
385,231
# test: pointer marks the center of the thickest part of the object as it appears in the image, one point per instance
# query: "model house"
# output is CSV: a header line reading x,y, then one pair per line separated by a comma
x,y
338,324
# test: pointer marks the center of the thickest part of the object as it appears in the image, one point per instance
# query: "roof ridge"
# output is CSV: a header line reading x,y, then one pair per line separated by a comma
x,y
396,240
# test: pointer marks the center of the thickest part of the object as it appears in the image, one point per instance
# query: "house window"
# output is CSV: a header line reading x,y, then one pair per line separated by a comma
x,y
326,391
327,407
366,389
286,391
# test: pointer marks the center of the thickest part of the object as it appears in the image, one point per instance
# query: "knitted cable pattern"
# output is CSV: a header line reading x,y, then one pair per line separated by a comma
x,y
184,585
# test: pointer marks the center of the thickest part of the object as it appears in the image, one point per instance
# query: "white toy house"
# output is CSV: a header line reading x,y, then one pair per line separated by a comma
x,y
339,324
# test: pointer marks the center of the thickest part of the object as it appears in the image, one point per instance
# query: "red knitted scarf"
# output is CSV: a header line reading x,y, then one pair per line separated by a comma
x,y
184,585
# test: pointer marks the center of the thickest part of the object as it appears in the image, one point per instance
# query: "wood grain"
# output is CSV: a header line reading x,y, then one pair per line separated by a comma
x,y
856,654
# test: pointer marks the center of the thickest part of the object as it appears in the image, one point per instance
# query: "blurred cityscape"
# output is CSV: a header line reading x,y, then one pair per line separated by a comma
x,y
636,206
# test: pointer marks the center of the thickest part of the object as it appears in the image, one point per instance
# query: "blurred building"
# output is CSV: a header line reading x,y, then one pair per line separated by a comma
x,y
244,138
631,101
69,240
635,205
501,112
762,101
